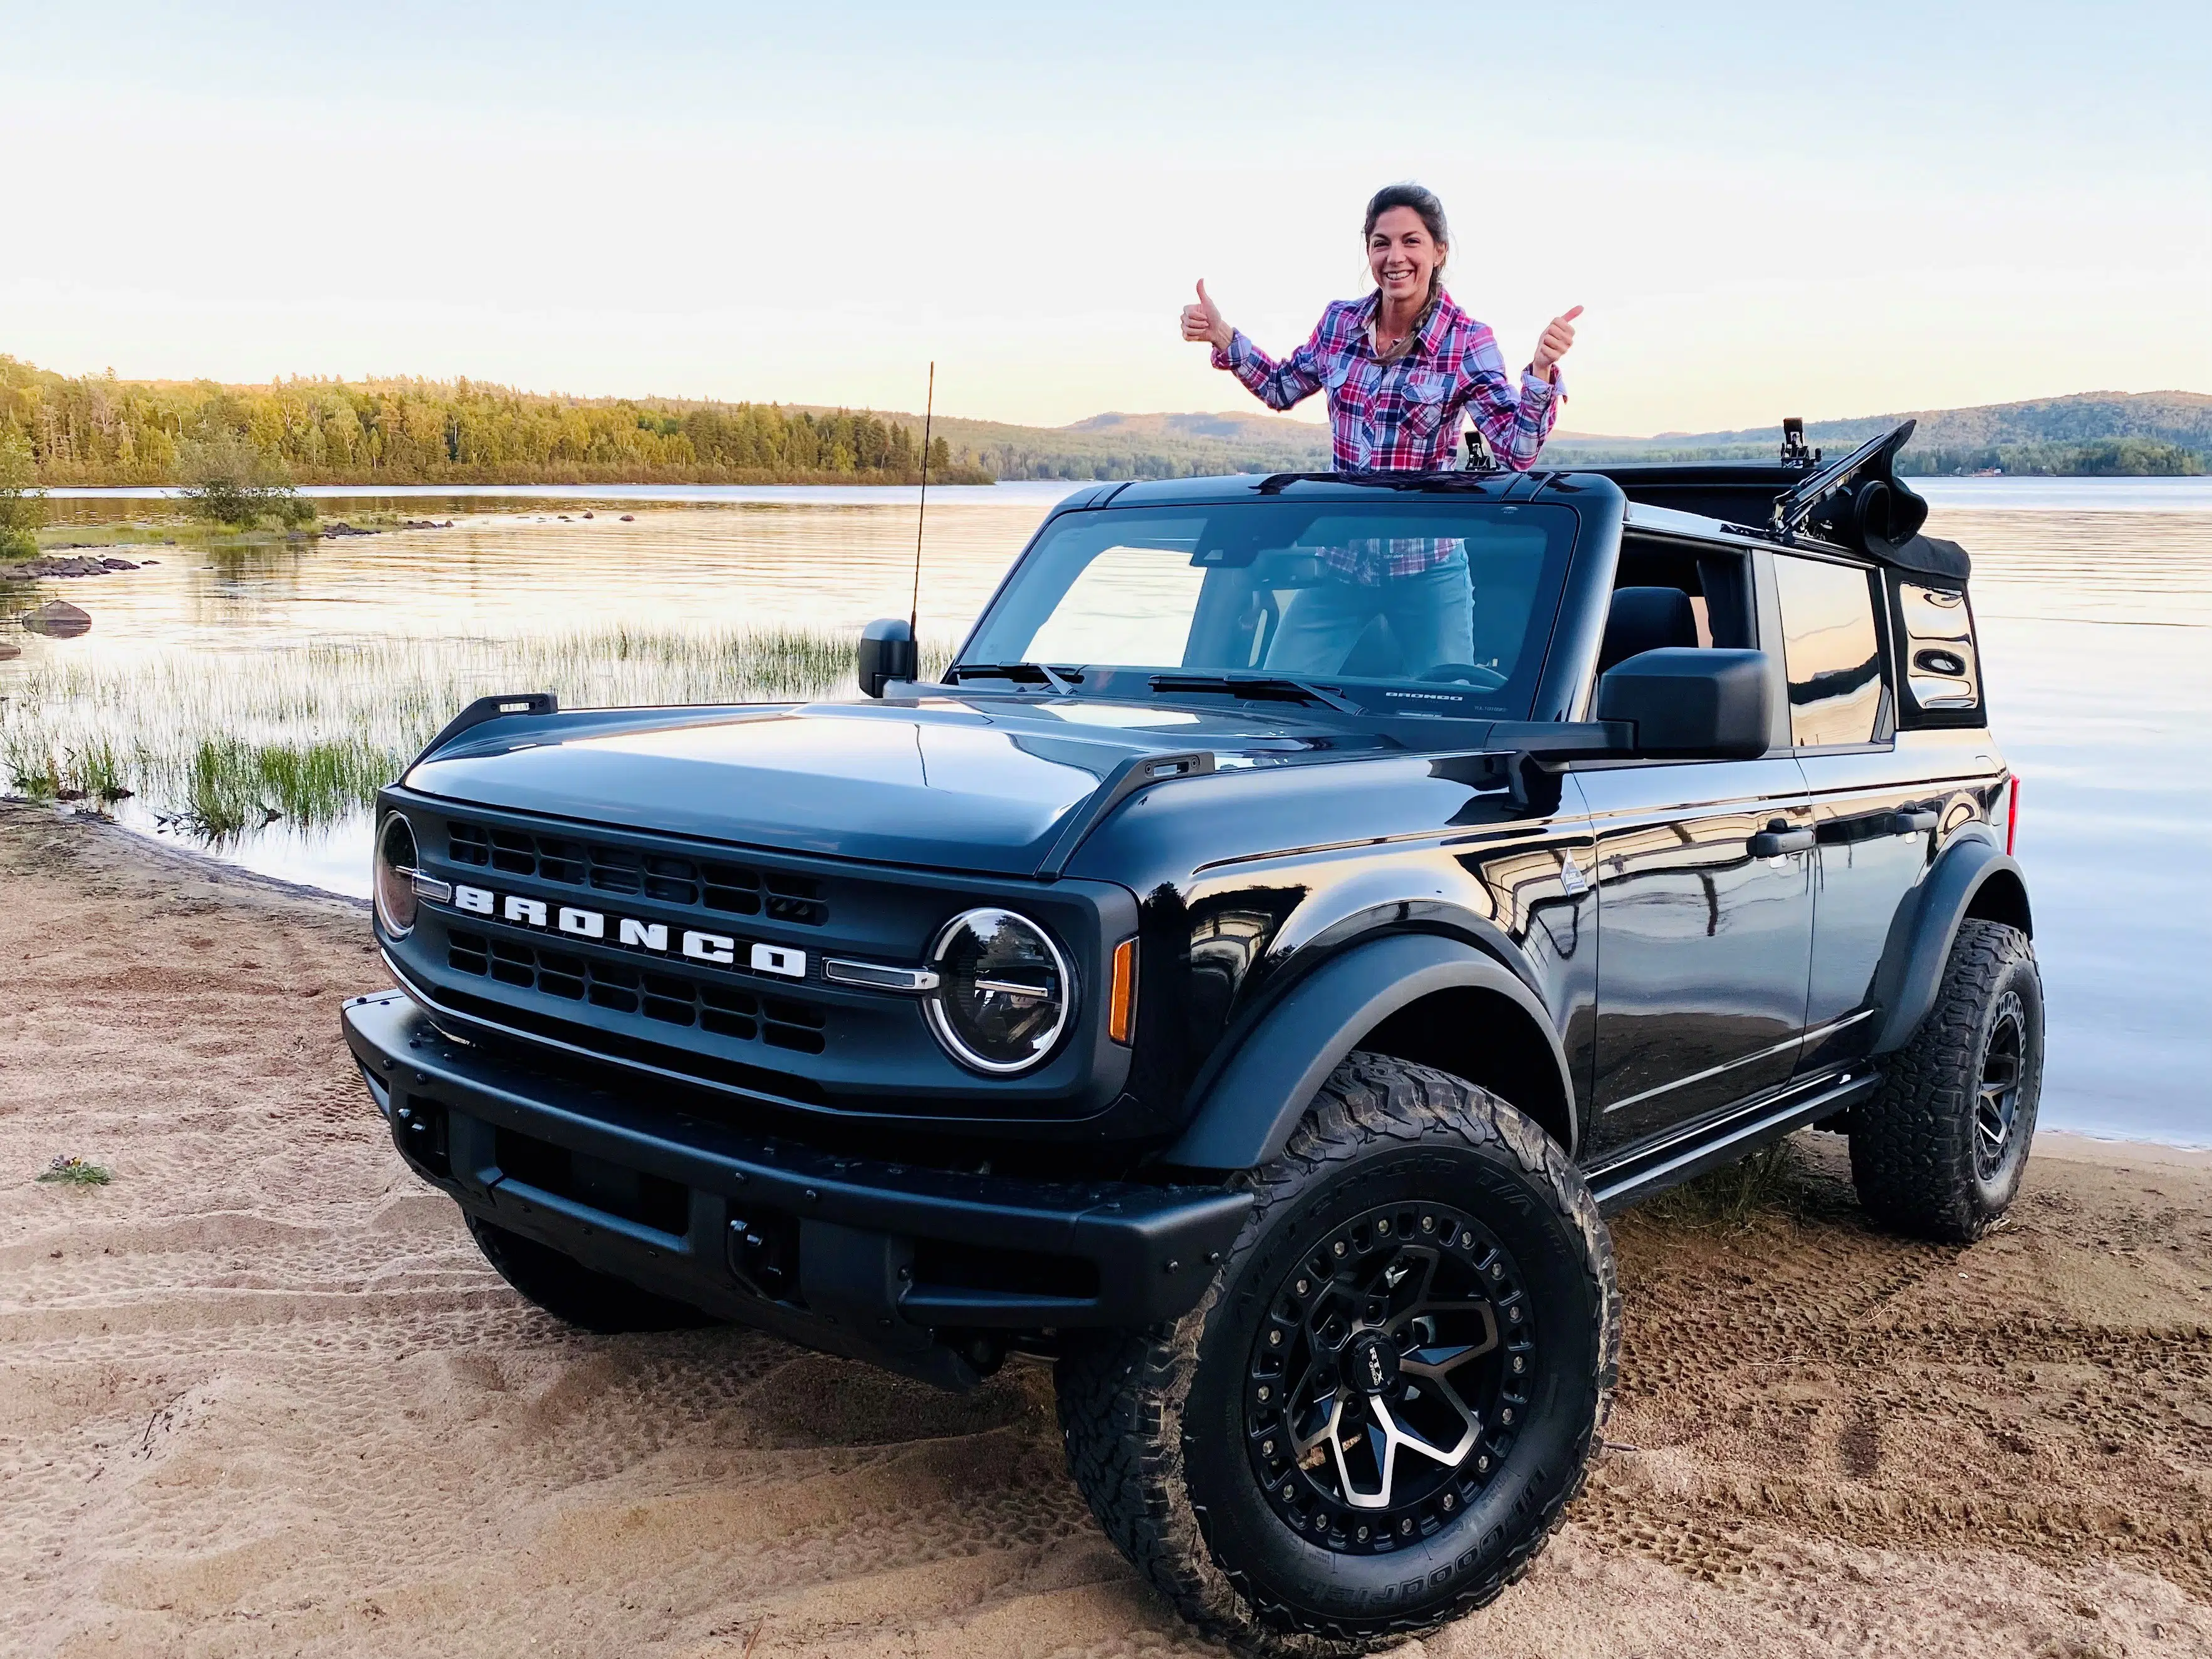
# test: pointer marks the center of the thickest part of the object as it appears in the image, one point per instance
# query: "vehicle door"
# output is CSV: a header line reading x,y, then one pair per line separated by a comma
x,y
1704,911
1875,815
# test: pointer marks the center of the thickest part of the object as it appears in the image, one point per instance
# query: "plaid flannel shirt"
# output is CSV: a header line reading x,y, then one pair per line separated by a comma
x,y
1403,416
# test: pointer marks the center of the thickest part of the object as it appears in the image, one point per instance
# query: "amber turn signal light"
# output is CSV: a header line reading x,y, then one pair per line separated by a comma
x,y
1122,1000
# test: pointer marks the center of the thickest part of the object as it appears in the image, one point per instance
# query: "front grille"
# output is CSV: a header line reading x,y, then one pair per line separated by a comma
x,y
782,1022
733,889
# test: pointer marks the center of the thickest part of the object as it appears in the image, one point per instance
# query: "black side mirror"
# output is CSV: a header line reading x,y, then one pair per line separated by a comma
x,y
887,653
1688,703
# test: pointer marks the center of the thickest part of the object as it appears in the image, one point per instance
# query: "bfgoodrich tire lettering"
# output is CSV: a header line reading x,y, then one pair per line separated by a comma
x,y
1940,1151
1158,1423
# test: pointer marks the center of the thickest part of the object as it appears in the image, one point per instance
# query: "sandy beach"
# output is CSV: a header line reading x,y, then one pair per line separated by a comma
x,y
260,1395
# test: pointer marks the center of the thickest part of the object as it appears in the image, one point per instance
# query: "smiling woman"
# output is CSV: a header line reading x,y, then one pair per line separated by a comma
x,y
1403,365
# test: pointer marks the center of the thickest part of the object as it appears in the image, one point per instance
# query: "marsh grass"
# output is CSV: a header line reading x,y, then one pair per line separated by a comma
x,y
1732,1197
218,743
94,771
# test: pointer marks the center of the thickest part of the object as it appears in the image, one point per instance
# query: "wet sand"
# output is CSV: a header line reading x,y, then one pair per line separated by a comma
x,y
260,1395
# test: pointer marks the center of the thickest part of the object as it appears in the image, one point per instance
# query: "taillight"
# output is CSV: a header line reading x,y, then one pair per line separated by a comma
x,y
2012,814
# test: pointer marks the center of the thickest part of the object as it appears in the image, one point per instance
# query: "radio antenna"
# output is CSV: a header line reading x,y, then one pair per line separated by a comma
x,y
914,611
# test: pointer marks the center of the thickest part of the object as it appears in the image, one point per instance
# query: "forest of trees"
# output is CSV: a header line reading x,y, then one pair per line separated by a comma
x,y
97,430
2106,458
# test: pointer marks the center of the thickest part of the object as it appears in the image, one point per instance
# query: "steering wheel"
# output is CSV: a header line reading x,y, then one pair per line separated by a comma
x,y
1466,673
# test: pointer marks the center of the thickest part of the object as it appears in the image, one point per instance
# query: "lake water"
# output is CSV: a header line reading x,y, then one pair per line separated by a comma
x,y
2094,598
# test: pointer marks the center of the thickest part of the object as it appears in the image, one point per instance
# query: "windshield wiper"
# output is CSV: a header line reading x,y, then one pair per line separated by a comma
x,y
1061,680
1277,688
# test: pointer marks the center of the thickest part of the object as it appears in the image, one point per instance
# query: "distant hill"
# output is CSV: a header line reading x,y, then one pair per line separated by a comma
x,y
2088,431
2149,432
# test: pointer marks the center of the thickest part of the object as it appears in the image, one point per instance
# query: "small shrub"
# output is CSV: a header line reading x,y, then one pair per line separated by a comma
x,y
76,1172
22,503
229,481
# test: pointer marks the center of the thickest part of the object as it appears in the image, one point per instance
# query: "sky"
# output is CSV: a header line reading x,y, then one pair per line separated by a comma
x,y
1764,209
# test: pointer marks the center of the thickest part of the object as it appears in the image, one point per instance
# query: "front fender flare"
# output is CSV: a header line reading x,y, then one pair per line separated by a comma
x,y
1912,969
1255,1101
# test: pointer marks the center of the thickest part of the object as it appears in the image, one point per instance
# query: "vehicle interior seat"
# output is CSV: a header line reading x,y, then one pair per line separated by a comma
x,y
1646,619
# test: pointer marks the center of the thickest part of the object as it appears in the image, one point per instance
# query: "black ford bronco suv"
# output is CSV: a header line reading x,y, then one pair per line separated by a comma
x,y
1306,905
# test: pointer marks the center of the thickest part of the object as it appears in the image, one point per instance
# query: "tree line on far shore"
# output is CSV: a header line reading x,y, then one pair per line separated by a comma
x,y
2105,458
97,430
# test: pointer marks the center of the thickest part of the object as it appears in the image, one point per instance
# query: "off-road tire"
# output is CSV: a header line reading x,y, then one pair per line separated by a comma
x,y
1166,1470
573,1293
1913,1146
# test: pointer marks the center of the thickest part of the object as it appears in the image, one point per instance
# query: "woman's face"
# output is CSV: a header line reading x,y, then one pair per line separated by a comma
x,y
1403,255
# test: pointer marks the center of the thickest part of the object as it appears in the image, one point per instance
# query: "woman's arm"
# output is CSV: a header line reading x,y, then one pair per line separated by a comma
x,y
1515,419
1279,386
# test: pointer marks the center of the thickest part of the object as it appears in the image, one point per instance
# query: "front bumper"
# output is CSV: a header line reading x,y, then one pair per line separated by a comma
x,y
907,1267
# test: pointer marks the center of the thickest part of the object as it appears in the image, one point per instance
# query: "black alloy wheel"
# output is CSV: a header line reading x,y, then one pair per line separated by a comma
x,y
1376,1416
1942,1149
1385,1384
1996,1104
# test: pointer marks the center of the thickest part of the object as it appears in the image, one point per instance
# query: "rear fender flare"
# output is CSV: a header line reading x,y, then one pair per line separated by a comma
x,y
1246,1116
1920,943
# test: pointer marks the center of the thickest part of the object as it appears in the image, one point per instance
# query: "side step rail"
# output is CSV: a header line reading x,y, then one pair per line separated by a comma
x,y
1651,1170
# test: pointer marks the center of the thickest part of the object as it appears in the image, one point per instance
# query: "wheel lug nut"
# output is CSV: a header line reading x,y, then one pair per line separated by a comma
x,y
1428,1224
1381,1226
1363,1534
1339,1246
1303,1287
1505,1416
1483,1463
1268,1447
1275,1339
1288,1489
1406,1528
1265,1393
1448,1500
1519,1364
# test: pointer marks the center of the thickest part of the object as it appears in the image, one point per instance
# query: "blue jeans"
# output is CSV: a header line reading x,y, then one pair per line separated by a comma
x,y
1431,616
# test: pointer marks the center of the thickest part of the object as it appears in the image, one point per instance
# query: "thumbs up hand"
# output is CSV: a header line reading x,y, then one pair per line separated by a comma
x,y
1557,338
1204,321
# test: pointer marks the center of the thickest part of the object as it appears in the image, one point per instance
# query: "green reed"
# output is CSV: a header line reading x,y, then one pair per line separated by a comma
x,y
227,741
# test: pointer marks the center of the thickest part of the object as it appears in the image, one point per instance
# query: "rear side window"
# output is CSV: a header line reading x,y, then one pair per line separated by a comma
x,y
1942,669
1832,652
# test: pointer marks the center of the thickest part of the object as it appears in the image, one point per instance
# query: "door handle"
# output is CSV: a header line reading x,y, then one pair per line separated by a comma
x,y
1778,838
1909,823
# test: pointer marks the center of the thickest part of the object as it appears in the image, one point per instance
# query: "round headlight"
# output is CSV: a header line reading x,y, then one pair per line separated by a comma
x,y
395,875
1004,992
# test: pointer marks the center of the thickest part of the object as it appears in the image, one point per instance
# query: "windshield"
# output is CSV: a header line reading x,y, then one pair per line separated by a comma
x,y
1400,591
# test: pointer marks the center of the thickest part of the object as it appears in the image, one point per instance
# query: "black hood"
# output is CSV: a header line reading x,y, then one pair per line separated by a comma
x,y
955,784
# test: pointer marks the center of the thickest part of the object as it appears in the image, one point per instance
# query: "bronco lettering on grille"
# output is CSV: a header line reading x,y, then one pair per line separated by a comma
x,y
719,949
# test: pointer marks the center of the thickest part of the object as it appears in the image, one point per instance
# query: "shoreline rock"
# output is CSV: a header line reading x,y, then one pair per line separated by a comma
x,y
58,619
33,569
